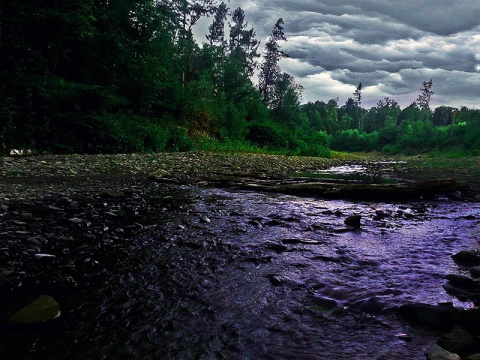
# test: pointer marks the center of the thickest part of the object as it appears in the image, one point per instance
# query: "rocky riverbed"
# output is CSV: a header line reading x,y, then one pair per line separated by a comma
x,y
66,222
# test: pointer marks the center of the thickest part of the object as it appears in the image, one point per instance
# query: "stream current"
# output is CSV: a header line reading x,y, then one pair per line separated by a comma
x,y
245,275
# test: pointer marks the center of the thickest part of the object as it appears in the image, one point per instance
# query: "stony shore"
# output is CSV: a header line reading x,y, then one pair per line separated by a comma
x,y
60,214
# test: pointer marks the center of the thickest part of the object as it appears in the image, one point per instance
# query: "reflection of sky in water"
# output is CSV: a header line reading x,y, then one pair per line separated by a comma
x,y
349,173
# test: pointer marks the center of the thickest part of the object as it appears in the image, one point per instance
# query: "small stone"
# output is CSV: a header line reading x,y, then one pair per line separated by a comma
x,y
159,175
324,302
44,257
35,240
353,221
113,194
205,219
111,214
276,280
404,337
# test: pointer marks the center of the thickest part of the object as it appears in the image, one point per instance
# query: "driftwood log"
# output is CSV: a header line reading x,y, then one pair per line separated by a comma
x,y
379,192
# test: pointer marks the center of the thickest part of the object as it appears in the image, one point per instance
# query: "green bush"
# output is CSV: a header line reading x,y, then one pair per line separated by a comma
x,y
267,135
354,140
178,139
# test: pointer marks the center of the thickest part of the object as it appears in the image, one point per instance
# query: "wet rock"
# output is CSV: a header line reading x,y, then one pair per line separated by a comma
x,y
461,294
274,222
473,357
327,258
45,257
380,215
467,258
258,260
458,341
278,248
435,352
160,175
293,241
276,280
44,308
112,194
370,306
324,303
353,221
440,316
404,337
462,281
475,271
204,219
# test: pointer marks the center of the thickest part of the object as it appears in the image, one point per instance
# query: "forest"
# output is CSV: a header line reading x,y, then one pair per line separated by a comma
x,y
99,76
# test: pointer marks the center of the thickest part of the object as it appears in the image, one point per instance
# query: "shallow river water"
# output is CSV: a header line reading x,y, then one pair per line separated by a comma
x,y
245,275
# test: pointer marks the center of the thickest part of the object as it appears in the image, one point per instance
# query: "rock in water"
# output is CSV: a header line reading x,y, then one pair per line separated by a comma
x,y
441,316
353,221
467,258
435,352
42,309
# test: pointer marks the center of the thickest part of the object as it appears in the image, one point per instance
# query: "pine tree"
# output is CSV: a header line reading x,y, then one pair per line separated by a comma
x,y
270,73
357,95
423,100
243,45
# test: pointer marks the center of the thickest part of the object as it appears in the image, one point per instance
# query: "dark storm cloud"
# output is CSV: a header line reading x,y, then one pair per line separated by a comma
x,y
390,46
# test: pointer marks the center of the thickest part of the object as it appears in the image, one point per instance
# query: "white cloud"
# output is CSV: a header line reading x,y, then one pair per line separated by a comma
x,y
390,48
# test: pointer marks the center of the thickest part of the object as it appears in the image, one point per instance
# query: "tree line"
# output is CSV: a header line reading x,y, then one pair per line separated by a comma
x,y
98,76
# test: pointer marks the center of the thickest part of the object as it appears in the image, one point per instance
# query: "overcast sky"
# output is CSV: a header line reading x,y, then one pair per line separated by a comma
x,y
391,46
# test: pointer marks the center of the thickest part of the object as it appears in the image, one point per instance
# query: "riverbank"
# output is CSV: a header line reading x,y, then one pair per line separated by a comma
x,y
33,172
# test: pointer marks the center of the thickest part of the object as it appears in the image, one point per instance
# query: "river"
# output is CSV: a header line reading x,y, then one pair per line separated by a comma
x,y
245,275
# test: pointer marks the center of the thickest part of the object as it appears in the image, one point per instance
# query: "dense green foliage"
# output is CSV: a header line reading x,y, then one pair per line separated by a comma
x,y
92,76
392,130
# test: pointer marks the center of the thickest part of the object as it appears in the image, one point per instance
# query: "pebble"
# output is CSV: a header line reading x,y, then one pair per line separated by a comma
x,y
205,219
